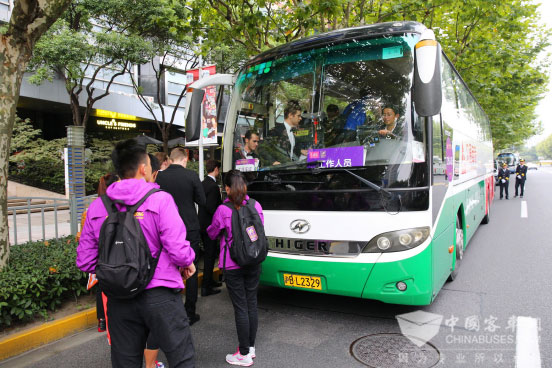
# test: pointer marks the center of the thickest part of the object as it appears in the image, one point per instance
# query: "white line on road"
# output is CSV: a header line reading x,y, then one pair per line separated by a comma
x,y
527,343
523,209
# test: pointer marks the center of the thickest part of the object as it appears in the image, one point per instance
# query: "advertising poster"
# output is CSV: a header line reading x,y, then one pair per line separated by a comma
x,y
209,107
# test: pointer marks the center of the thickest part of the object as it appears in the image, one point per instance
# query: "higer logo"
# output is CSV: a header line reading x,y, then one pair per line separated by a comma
x,y
299,226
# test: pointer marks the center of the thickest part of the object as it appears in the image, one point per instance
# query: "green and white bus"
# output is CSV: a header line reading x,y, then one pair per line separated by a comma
x,y
361,213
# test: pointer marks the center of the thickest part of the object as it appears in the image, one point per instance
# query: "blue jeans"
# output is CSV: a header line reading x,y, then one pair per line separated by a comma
x,y
242,286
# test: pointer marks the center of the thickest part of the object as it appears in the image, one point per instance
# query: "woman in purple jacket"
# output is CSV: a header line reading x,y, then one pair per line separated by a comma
x,y
241,282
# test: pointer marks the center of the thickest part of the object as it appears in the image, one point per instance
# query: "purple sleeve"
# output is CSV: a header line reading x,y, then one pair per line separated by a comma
x,y
260,210
87,250
217,225
172,233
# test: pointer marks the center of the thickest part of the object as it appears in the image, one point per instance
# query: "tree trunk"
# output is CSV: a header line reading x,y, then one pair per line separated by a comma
x,y
165,137
29,20
75,109
12,68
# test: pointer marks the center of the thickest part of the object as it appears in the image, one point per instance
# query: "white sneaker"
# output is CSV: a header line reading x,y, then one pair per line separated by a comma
x,y
238,359
252,352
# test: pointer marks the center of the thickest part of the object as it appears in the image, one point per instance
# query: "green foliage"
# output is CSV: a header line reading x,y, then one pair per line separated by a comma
x,y
529,153
497,46
94,40
23,136
40,164
38,277
544,148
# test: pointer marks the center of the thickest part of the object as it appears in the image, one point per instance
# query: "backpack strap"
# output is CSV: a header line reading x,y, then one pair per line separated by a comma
x,y
226,245
141,201
108,203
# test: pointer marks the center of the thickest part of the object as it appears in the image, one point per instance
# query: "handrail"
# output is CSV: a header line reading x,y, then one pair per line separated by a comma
x,y
23,208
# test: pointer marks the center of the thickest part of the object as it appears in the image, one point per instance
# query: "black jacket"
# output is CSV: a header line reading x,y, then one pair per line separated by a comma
x,y
184,186
521,170
504,174
213,200
280,146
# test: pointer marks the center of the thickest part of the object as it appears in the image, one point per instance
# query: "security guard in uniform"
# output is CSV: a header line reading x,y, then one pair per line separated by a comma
x,y
504,179
521,175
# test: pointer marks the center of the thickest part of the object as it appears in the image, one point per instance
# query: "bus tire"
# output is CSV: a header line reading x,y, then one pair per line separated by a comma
x,y
459,248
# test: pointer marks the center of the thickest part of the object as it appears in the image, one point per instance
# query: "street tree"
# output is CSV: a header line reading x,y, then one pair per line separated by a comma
x,y
29,20
544,148
171,47
89,48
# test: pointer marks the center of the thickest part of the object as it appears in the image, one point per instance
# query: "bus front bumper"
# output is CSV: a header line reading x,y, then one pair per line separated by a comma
x,y
354,278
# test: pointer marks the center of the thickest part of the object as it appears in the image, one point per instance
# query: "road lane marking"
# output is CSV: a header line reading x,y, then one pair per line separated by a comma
x,y
523,209
527,343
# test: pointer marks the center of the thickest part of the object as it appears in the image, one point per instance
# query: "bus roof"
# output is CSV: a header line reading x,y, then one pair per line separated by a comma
x,y
341,35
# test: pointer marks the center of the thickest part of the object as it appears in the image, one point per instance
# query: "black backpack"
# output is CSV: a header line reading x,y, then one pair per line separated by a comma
x,y
125,264
250,245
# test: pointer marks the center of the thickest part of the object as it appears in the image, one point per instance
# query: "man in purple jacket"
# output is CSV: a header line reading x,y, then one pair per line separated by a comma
x,y
159,308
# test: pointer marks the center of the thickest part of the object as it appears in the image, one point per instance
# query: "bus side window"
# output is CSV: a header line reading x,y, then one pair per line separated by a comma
x,y
439,163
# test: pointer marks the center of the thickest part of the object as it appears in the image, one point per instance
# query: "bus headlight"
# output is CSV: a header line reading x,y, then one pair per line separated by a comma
x,y
405,239
396,241
383,243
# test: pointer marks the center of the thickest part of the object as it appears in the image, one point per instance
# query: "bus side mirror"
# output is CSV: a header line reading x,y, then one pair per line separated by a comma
x,y
427,94
193,120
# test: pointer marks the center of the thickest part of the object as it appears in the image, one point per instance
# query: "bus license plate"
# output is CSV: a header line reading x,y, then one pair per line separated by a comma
x,y
300,281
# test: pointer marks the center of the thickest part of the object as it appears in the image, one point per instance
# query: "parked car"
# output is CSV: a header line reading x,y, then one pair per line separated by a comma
x,y
532,166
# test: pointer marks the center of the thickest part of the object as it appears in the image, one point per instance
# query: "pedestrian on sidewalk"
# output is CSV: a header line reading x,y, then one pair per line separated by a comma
x,y
504,179
185,187
241,282
151,351
210,247
158,309
521,176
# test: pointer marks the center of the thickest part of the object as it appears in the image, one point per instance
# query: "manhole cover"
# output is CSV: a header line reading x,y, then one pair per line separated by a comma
x,y
393,351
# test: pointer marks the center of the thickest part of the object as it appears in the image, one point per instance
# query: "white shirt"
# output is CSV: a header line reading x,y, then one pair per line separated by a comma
x,y
247,154
212,177
291,138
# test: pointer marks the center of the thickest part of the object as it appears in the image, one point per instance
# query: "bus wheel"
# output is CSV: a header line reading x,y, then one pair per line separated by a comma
x,y
459,246
487,217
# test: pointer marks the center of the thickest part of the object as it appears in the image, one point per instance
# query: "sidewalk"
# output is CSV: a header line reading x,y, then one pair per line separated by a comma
x,y
30,339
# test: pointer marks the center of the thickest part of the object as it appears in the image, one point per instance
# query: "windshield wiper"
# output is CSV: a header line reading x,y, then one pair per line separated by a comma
x,y
376,187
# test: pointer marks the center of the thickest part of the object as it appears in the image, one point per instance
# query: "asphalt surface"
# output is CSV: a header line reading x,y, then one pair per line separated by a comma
x,y
505,274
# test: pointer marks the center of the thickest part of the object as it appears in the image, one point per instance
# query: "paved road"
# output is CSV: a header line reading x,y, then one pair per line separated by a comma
x,y
505,275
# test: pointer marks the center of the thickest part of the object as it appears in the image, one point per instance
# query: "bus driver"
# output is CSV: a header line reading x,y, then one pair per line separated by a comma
x,y
390,117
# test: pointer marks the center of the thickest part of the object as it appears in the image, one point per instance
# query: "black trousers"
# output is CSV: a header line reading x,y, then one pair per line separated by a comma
x,y
504,187
520,183
158,311
242,287
191,283
211,250
99,303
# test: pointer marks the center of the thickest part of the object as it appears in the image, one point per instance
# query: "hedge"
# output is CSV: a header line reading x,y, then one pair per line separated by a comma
x,y
38,277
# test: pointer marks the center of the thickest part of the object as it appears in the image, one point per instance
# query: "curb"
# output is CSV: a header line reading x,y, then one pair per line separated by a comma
x,y
56,330
48,332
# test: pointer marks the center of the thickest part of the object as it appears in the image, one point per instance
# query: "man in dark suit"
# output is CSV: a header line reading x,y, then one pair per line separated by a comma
x,y
521,176
184,186
504,179
211,247
284,134
250,144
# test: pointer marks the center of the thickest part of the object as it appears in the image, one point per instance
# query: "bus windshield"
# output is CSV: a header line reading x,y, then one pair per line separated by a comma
x,y
509,158
333,108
